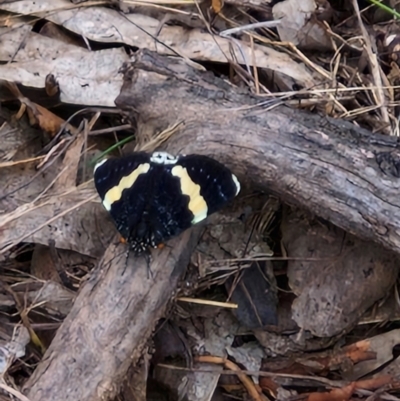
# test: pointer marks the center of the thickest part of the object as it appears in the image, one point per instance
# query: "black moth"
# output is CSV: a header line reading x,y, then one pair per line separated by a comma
x,y
154,197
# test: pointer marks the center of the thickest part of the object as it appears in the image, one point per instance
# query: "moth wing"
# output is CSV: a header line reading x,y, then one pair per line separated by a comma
x,y
169,214
122,193
216,184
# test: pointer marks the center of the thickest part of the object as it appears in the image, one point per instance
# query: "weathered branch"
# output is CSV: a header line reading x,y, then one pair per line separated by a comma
x,y
339,171
331,167
109,324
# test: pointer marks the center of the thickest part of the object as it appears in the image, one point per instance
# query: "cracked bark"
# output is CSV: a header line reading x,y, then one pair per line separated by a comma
x,y
109,324
338,171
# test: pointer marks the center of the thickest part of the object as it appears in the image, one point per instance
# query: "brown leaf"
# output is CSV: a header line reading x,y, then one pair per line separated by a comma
x,y
37,114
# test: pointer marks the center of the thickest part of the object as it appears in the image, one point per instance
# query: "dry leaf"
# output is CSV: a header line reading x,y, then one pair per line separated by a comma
x,y
194,44
299,25
336,276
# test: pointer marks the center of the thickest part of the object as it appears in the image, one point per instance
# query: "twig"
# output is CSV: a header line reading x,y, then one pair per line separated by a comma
x,y
14,392
375,68
250,27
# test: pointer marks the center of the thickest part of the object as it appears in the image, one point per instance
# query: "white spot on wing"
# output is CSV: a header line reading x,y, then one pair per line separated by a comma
x,y
237,183
107,205
163,158
98,164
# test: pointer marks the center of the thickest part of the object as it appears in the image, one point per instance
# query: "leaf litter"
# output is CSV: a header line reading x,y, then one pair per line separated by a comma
x,y
321,323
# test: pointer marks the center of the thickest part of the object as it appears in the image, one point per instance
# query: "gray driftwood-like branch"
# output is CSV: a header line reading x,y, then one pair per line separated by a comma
x,y
109,324
338,171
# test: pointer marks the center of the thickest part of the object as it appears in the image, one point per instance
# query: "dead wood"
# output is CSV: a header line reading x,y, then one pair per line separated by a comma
x,y
340,172
109,324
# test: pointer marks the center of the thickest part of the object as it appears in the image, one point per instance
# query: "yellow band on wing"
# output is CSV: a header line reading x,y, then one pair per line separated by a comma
x,y
197,204
115,193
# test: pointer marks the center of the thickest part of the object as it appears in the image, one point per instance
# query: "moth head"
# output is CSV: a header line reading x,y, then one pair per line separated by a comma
x,y
163,158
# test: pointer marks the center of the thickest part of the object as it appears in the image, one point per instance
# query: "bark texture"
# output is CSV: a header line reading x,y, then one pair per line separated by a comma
x,y
340,172
109,325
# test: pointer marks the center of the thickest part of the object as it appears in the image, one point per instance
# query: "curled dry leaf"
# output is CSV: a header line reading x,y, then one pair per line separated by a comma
x,y
38,115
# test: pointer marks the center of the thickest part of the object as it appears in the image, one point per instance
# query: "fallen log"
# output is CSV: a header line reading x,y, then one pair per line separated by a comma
x,y
337,170
333,168
109,324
